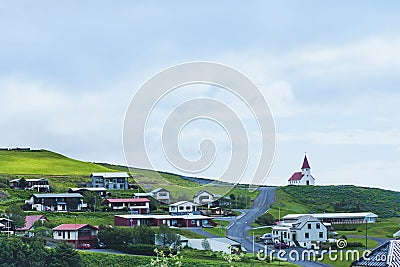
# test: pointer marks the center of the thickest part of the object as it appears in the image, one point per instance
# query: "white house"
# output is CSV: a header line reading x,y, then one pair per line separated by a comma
x,y
161,195
182,207
307,231
205,198
56,202
304,177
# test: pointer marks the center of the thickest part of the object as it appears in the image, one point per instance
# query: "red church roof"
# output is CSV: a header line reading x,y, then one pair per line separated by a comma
x,y
296,176
305,163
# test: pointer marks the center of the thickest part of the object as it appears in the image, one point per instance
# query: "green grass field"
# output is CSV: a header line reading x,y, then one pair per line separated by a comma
x,y
45,162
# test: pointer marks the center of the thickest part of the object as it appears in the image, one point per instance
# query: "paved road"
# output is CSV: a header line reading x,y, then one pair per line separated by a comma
x,y
380,241
238,230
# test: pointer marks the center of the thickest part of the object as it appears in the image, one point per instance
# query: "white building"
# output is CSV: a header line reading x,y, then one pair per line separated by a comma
x,y
304,177
307,231
159,194
182,207
110,180
205,198
222,244
338,218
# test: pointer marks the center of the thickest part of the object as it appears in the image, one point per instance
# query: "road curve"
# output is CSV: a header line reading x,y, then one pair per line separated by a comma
x,y
238,229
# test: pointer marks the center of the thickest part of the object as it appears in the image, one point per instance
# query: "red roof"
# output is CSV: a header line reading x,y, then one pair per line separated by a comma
x,y
30,221
126,200
305,163
296,176
69,227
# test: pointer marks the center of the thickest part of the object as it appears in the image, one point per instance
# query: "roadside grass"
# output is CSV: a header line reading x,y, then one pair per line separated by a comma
x,y
382,229
259,232
286,204
44,162
219,230
92,218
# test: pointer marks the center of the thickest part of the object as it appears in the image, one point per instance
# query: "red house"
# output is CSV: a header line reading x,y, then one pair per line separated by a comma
x,y
141,205
76,234
189,220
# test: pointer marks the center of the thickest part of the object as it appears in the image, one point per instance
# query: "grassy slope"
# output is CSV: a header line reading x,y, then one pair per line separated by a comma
x,y
45,163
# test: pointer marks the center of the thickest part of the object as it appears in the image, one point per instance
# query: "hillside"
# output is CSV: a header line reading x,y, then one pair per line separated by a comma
x,y
44,162
343,198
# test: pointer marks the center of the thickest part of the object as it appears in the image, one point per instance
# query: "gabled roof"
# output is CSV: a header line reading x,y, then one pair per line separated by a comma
x,y
296,176
30,221
183,203
126,200
159,189
65,195
111,174
70,227
343,215
390,251
303,220
305,163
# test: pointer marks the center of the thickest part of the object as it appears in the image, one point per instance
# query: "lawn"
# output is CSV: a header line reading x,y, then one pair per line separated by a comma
x,y
219,230
45,162
384,228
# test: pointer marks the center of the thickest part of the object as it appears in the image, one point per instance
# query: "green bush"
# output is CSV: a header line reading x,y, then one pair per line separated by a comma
x,y
265,219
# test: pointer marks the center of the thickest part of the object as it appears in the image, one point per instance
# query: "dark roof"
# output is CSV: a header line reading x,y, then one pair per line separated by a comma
x,y
390,251
65,195
305,163
296,176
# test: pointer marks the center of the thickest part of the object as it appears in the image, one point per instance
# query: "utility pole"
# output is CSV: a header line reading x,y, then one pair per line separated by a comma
x,y
253,245
366,234
76,232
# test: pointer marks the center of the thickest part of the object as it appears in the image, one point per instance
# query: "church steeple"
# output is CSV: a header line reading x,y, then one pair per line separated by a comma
x,y
305,163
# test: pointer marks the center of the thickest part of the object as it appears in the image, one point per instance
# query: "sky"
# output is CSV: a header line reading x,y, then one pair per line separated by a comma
x,y
328,70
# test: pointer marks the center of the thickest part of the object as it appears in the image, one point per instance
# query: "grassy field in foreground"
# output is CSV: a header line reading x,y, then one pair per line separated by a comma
x,y
384,229
190,259
46,163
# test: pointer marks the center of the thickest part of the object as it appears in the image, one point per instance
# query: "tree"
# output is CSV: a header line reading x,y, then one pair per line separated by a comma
x,y
93,200
265,219
16,214
167,237
64,255
205,244
22,183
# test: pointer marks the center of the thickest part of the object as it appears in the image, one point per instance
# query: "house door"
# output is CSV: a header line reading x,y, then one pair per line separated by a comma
x,y
308,182
294,236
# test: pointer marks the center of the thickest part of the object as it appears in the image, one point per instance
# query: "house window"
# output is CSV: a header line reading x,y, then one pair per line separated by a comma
x,y
181,207
321,235
59,233
284,235
318,226
309,226
193,222
187,207
306,235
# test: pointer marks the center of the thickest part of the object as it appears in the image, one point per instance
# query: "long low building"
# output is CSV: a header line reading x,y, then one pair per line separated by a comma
x,y
190,220
337,218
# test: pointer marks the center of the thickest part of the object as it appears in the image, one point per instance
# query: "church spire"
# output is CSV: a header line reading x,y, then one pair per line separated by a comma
x,y
305,163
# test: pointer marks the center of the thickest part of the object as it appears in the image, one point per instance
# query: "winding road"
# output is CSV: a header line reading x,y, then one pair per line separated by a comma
x,y
238,229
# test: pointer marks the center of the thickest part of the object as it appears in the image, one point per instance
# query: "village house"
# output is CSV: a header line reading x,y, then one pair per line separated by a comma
x,y
304,177
160,194
7,226
385,255
56,202
29,224
217,212
338,218
188,220
139,205
101,191
40,185
205,198
76,234
182,207
307,231
110,180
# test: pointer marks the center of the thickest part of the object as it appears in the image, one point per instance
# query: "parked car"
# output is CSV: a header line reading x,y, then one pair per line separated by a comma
x,y
101,245
280,245
266,236
84,246
333,234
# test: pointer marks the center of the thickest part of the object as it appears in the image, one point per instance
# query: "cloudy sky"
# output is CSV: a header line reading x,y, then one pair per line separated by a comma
x,y
329,71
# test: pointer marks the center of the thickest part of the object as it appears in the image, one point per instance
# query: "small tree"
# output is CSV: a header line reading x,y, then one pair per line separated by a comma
x,y
22,183
16,214
205,244
265,219
64,255
167,237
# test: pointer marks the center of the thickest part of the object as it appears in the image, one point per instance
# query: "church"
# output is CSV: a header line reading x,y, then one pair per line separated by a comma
x,y
304,177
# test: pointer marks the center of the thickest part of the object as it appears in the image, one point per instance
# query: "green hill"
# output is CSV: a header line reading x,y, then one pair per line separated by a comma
x,y
342,198
44,162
